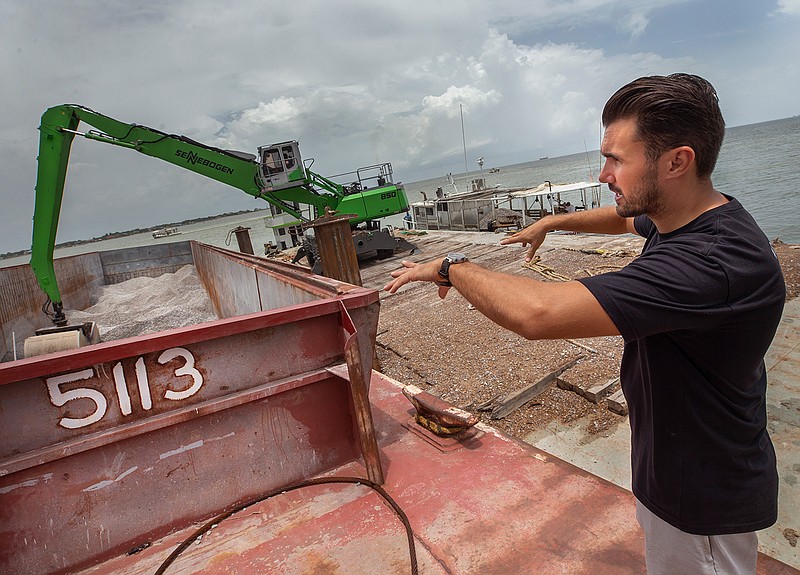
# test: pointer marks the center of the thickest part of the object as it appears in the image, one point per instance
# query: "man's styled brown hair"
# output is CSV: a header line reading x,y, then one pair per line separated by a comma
x,y
672,111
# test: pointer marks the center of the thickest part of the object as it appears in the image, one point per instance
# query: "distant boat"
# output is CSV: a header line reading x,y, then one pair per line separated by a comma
x,y
544,158
166,232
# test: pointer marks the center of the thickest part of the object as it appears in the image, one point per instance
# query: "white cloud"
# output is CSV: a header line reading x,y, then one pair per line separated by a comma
x,y
791,7
635,24
454,97
273,112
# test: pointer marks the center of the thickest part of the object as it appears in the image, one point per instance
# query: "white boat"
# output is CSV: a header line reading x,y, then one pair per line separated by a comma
x,y
487,209
166,232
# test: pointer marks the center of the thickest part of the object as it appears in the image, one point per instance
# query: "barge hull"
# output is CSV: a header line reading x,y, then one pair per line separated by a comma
x,y
112,455
124,441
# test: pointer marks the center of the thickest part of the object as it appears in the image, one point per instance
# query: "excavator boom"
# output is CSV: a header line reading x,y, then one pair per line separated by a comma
x,y
276,175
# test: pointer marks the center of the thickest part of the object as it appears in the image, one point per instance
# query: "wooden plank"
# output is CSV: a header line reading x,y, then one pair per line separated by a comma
x,y
596,393
616,403
582,346
517,399
567,385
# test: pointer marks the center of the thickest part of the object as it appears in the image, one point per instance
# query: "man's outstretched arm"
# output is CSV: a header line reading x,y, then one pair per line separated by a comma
x,y
530,308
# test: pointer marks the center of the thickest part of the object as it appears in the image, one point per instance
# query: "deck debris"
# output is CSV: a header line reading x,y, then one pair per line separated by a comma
x,y
595,393
513,401
544,270
617,404
581,345
605,253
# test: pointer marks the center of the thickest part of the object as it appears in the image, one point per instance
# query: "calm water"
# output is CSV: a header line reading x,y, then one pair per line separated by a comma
x,y
759,165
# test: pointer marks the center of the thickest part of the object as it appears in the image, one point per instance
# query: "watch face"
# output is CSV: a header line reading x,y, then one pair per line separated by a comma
x,y
451,258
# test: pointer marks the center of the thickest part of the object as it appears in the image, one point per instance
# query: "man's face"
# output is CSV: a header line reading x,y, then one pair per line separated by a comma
x,y
628,172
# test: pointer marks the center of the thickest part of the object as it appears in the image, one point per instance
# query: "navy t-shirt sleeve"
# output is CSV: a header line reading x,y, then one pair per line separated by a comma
x,y
693,278
662,291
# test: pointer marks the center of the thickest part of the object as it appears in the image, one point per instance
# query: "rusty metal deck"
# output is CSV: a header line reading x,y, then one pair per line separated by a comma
x,y
487,505
136,437
608,454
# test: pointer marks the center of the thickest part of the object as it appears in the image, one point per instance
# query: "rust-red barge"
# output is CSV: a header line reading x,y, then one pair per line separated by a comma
x,y
117,457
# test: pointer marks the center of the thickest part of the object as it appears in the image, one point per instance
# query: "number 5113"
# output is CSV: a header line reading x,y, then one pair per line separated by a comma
x,y
60,398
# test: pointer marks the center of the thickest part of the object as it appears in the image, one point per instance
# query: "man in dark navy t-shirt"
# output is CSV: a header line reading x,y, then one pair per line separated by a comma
x,y
697,311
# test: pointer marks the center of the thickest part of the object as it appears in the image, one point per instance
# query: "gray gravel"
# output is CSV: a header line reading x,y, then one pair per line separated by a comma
x,y
146,305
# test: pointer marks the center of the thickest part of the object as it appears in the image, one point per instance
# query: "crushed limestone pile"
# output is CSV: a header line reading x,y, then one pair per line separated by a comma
x,y
147,305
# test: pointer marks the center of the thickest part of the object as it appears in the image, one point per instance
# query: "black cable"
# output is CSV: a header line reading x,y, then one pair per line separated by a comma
x,y
319,481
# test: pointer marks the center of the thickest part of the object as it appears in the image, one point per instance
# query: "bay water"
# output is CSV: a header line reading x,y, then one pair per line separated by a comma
x,y
759,165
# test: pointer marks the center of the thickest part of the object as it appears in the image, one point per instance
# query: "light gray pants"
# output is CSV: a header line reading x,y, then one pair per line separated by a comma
x,y
670,551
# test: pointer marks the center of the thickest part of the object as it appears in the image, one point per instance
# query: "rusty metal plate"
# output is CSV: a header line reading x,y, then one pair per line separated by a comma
x,y
127,440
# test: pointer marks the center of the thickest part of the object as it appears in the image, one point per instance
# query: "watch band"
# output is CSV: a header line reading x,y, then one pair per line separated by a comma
x,y
444,271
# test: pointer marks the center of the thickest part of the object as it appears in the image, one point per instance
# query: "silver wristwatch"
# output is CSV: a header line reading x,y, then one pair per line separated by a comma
x,y
444,271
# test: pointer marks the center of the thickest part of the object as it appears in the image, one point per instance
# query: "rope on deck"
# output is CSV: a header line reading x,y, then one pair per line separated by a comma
x,y
549,273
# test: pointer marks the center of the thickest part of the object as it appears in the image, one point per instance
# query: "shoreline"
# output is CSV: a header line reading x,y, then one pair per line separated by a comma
x,y
126,233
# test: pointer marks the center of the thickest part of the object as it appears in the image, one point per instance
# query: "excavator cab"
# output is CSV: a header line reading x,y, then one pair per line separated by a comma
x,y
280,165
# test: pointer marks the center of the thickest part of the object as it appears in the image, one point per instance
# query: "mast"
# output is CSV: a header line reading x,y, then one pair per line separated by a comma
x,y
463,139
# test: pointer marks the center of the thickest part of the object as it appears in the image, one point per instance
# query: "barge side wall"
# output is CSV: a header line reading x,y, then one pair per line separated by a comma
x,y
21,299
113,445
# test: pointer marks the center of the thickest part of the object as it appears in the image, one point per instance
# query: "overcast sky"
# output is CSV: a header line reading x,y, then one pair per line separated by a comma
x,y
356,82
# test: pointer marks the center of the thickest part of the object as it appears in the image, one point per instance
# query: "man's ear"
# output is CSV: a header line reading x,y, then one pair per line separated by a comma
x,y
678,161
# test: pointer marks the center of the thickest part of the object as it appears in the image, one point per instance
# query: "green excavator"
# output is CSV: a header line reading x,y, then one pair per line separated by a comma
x,y
277,174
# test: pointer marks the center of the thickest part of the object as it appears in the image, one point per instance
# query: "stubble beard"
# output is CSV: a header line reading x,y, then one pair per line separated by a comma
x,y
645,198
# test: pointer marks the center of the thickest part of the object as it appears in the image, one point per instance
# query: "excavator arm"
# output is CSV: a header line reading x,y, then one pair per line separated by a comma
x,y
274,176
277,174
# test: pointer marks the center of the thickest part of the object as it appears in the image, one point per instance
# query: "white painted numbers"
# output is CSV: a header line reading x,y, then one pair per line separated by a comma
x,y
59,397
187,369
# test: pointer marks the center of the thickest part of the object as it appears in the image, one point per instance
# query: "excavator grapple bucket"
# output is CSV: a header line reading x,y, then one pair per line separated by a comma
x,y
52,339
